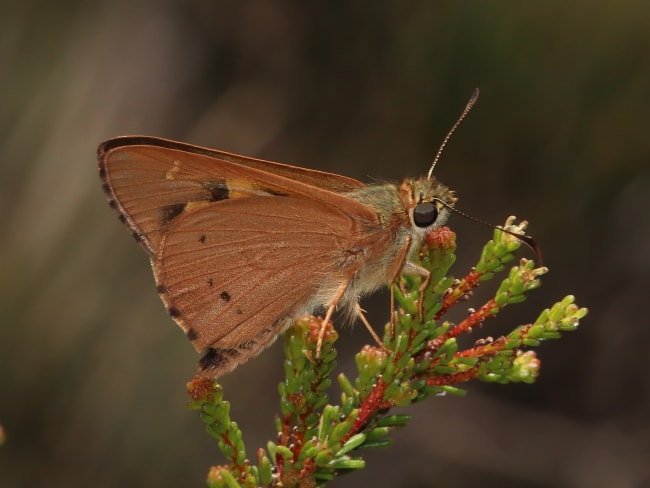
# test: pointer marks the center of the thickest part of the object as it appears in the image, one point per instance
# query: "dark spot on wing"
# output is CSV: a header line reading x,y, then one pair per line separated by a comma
x,y
218,189
225,296
161,289
247,345
211,360
170,212
275,193
210,282
174,312
202,238
136,236
102,173
112,203
107,188
239,311
192,335
215,358
277,324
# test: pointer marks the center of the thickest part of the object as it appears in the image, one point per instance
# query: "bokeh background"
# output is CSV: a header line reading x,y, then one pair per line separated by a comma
x,y
92,370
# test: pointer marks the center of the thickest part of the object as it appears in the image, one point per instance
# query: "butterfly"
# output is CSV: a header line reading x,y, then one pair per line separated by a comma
x,y
241,246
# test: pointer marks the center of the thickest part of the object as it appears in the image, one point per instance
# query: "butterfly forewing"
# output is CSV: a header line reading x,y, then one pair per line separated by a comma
x,y
151,181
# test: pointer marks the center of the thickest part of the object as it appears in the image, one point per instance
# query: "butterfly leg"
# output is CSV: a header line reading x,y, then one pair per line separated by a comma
x,y
410,268
395,270
392,309
416,269
328,315
362,317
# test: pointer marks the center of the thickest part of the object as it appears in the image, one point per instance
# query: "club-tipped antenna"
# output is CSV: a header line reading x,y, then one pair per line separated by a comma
x,y
526,239
468,107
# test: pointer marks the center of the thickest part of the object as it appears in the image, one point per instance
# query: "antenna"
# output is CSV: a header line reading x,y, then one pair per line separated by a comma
x,y
468,107
527,240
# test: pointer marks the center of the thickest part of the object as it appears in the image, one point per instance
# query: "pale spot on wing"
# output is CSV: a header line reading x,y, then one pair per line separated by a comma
x,y
171,174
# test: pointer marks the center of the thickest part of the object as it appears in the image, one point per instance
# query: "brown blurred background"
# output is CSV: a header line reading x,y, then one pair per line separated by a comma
x,y
92,370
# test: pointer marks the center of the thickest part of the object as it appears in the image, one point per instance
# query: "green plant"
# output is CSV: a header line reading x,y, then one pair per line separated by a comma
x,y
318,440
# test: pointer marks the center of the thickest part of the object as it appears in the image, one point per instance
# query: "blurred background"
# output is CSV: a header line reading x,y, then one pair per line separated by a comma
x,y
93,371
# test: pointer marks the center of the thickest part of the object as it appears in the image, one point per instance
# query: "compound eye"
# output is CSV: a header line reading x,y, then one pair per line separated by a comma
x,y
425,214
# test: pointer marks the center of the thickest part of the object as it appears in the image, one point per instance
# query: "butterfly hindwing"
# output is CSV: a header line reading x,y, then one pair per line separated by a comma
x,y
232,277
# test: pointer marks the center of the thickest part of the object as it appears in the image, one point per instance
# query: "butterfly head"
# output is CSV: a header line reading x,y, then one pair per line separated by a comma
x,y
428,203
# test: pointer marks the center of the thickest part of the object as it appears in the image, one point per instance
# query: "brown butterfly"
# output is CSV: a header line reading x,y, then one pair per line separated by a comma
x,y
241,246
